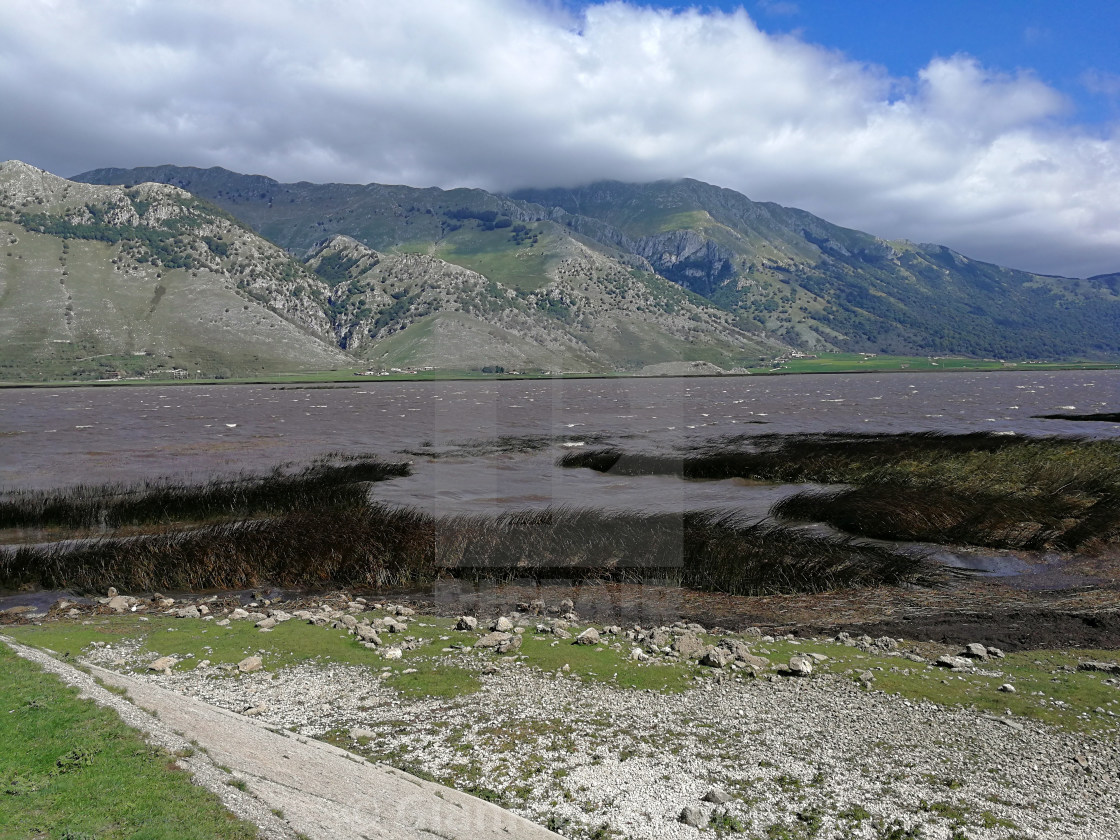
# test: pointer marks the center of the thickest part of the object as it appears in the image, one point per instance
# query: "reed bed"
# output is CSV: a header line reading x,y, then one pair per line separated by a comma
x,y
334,481
383,546
985,489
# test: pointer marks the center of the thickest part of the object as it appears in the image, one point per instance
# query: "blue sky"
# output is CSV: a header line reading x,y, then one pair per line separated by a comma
x,y
989,126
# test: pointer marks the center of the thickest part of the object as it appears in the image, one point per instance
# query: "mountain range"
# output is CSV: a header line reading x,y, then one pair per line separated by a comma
x,y
209,272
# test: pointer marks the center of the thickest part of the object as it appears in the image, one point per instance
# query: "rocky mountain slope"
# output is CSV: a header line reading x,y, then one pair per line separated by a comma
x,y
777,270
112,281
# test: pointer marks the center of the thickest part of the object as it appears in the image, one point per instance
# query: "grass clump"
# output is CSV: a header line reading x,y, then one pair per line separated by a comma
x,y
375,546
1001,491
70,768
332,481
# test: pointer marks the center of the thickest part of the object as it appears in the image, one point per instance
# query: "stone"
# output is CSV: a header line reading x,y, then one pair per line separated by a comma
x,y
467,622
866,678
222,622
1103,667
502,624
801,666
239,614
112,593
753,631
1007,688
638,655
536,606
738,649
367,634
349,622
203,609
120,603
188,612
995,653
957,663
693,816
886,643
976,651
590,636
689,645
253,711
164,663
510,646
266,624
492,640
250,664
566,605
717,796
403,611
716,657
392,653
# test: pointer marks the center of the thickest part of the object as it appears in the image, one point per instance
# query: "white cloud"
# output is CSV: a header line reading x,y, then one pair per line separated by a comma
x,y
508,93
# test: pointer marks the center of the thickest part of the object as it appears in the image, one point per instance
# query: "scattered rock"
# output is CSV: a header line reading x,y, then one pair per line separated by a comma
x,y
467,622
976,651
189,612
392,653
716,657
590,636
239,614
164,663
717,796
800,666
689,645
266,623
1103,667
957,663
693,816
492,640
1007,688
502,625
250,664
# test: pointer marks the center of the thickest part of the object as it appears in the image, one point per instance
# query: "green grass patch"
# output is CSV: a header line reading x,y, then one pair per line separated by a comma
x,y
72,769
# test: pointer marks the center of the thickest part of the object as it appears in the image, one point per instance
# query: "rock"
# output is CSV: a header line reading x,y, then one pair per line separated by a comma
x,y
536,606
188,612
716,657
690,646
753,631
467,622
395,626
403,611
250,664
1103,667
492,640
976,651
266,623
755,663
392,653
590,636
560,633
203,609
693,816
510,646
957,663
222,622
638,655
164,663
112,593
120,603
995,653
886,643
502,624
566,605
1007,688
738,649
717,796
367,634
801,666
866,678
253,711
239,614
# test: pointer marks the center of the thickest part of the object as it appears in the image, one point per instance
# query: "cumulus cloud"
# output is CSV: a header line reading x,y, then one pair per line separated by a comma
x,y
508,93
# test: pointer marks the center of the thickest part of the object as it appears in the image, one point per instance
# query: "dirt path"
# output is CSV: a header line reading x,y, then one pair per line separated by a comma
x,y
323,792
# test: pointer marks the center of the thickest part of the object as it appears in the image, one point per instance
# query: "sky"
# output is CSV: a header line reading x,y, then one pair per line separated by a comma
x,y
992,127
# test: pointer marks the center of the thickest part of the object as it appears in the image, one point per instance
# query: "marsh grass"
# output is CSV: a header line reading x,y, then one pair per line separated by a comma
x,y
385,546
1003,491
332,481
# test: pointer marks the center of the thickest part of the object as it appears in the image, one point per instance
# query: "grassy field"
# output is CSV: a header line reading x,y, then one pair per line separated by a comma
x,y
1049,686
70,769
824,363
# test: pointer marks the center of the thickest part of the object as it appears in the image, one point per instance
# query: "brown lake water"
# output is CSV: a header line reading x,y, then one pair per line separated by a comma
x,y
56,437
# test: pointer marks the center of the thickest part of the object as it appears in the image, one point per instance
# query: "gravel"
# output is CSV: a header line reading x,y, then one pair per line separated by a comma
x,y
812,756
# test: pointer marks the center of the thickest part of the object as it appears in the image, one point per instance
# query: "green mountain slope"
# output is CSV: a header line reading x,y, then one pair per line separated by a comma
x,y
110,282
776,270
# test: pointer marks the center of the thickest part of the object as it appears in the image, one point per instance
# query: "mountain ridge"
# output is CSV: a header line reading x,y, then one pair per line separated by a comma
x,y
782,272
